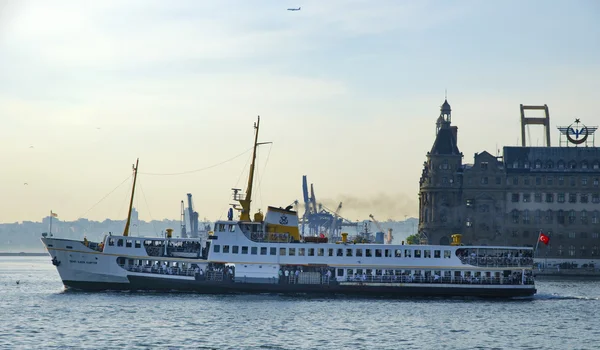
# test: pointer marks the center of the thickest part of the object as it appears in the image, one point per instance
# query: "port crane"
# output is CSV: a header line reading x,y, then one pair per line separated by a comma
x,y
388,237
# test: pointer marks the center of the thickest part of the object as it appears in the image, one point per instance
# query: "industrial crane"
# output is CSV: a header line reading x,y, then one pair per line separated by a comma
x,y
334,221
380,228
183,229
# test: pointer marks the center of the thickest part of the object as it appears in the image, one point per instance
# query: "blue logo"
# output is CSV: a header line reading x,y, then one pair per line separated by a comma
x,y
574,133
283,220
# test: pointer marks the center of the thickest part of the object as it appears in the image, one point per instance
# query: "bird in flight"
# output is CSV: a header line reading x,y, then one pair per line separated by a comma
x,y
294,9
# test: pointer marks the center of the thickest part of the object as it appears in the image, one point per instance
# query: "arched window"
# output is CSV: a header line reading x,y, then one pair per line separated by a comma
x,y
526,216
515,216
584,218
538,164
572,165
596,165
549,164
571,216
560,217
584,164
561,164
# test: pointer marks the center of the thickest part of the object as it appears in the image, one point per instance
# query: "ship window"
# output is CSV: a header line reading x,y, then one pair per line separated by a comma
x,y
398,253
236,249
407,253
311,251
263,250
436,254
111,241
349,252
427,253
225,249
273,251
292,252
417,253
378,253
446,254
340,272
321,252
138,244
231,228
330,251
120,243
217,248
340,252
282,251
221,227
368,253
388,253
244,250
254,250
128,243
359,252
300,251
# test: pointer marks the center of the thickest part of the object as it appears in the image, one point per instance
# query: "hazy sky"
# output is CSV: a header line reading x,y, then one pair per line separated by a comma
x,y
348,92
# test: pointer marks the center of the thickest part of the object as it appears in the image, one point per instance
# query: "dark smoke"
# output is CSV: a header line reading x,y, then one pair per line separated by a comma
x,y
382,206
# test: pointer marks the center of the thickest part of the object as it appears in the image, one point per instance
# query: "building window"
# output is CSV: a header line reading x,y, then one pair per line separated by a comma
x,y
595,218
549,216
515,197
498,180
584,181
526,216
484,165
572,197
515,181
526,197
444,180
515,216
526,180
469,222
571,250
584,217
583,234
538,164
596,198
560,164
560,250
572,165
582,251
549,164
469,203
538,217
571,216
595,250
561,181
549,197
583,198
560,198
550,181
560,217
573,181
538,181
596,181
515,233
595,235
584,165
526,165
484,180
538,197
596,165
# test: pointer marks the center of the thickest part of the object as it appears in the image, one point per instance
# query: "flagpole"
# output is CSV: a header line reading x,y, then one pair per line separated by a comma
x,y
537,244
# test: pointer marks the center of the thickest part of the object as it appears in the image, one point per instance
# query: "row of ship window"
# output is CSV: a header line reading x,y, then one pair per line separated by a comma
x,y
560,197
379,253
128,243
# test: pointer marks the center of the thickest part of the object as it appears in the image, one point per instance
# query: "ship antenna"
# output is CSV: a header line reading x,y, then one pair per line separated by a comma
x,y
135,169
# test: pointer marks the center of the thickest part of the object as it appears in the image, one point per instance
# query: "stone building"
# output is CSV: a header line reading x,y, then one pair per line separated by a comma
x,y
509,199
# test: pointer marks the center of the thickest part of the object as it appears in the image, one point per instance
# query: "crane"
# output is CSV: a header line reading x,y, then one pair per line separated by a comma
x,y
334,221
183,229
380,228
193,216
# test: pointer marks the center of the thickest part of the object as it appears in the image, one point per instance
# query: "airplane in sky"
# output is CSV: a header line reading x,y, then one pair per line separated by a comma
x,y
293,9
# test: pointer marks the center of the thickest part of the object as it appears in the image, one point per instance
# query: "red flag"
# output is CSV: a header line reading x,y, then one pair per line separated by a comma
x,y
544,239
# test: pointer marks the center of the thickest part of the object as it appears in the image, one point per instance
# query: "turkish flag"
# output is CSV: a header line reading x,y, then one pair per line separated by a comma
x,y
544,239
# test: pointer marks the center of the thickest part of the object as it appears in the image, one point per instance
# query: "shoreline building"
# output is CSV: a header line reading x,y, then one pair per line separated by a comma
x,y
508,199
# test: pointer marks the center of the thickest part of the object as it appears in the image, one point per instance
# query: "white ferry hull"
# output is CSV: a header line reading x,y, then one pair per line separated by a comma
x,y
81,268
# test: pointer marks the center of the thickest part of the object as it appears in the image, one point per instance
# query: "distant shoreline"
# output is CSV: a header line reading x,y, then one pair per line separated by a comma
x,y
23,254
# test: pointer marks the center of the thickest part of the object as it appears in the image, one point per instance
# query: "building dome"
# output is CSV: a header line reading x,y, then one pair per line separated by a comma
x,y
445,109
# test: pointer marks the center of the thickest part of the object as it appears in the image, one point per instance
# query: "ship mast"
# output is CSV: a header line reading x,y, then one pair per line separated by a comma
x,y
245,203
135,168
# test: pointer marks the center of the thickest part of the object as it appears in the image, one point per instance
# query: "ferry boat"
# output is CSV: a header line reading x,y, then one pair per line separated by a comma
x,y
266,253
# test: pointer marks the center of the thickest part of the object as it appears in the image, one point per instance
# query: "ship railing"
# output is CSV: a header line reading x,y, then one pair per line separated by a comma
x,y
307,278
441,280
160,270
492,261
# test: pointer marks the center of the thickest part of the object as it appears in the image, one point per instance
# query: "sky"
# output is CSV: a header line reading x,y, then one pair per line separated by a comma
x,y
348,93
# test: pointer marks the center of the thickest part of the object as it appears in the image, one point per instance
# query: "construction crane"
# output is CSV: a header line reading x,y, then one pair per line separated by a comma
x,y
380,233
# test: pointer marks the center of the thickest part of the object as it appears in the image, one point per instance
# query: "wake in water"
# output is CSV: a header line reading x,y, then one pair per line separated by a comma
x,y
556,296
